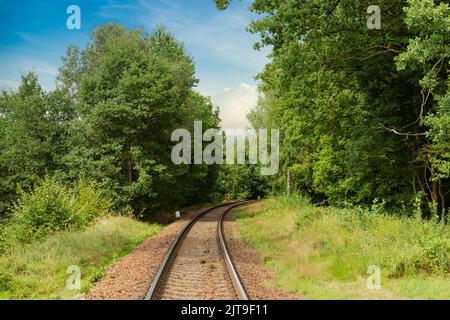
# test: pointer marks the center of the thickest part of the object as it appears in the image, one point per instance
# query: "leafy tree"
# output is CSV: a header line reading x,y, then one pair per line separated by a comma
x,y
428,56
362,112
242,181
133,89
32,136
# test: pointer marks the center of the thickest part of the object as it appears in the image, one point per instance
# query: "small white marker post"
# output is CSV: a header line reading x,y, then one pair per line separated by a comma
x,y
288,182
177,215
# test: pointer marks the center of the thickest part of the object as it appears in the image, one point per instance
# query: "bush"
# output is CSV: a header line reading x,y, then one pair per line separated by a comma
x,y
48,208
53,207
90,203
435,250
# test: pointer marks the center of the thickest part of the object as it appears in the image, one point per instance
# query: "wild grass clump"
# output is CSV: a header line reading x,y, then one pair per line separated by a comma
x,y
55,227
399,244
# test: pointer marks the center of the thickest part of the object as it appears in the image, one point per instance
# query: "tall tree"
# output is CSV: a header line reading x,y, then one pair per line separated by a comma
x,y
349,99
33,136
428,56
133,89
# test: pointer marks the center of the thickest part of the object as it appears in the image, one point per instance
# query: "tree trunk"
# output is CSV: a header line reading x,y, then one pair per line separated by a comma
x,y
130,169
435,198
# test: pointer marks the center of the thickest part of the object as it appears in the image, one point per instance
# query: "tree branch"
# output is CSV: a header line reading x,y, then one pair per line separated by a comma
x,y
394,130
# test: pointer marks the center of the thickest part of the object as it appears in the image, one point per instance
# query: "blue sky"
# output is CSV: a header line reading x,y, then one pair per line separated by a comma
x,y
33,36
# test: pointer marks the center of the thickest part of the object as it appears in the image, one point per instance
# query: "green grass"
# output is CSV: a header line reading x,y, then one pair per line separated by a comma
x,y
324,253
38,270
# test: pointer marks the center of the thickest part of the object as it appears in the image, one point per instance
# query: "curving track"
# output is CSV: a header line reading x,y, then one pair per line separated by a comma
x,y
198,266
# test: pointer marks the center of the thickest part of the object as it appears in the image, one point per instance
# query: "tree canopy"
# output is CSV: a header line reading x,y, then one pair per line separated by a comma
x,y
109,120
363,112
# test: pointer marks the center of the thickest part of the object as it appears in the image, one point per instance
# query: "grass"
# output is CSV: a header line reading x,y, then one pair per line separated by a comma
x,y
325,253
38,270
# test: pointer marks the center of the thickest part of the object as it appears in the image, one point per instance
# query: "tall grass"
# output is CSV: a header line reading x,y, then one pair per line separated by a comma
x,y
326,252
38,270
55,227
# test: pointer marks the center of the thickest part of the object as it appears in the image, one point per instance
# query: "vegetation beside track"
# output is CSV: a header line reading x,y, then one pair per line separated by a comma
x,y
39,270
325,253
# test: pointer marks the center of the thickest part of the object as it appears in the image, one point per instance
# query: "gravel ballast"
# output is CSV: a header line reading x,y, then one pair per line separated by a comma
x,y
130,277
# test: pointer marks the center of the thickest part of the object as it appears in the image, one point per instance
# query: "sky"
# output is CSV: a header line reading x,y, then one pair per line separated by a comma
x,y
34,36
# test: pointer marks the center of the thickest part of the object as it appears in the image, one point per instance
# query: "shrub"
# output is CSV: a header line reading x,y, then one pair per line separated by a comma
x,y
49,207
6,281
90,203
435,247
53,207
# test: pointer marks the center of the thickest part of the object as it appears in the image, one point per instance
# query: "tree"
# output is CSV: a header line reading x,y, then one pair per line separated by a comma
x,y
133,89
32,136
428,56
349,101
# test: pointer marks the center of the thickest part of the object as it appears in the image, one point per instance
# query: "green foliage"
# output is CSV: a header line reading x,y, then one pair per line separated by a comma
x,y
89,202
134,89
428,56
38,270
362,113
110,121
324,253
6,281
242,182
52,207
435,249
33,132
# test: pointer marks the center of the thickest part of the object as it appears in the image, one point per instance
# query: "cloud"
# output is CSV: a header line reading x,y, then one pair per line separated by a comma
x,y
114,10
8,84
234,105
39,67
209,33
22,65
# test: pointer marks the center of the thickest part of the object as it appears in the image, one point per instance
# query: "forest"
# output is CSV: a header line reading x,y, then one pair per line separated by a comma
x,y
363,115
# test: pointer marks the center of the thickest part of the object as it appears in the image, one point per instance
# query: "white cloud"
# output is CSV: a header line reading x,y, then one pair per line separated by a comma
x,y
114,10
234,104
221,35
8,84
11,73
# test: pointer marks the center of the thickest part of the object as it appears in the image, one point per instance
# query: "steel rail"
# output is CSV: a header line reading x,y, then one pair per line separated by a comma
x,y
237,283
170,255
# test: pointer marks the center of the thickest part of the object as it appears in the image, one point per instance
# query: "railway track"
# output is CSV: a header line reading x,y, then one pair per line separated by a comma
x,y
197,266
